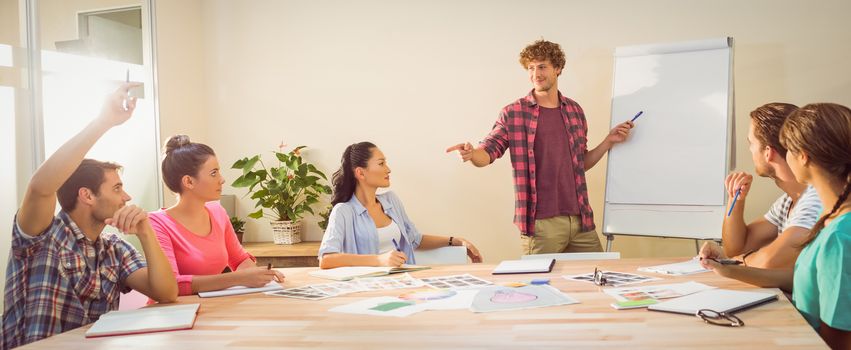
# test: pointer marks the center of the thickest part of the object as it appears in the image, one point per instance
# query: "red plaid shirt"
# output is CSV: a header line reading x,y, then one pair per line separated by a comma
x,y
515,130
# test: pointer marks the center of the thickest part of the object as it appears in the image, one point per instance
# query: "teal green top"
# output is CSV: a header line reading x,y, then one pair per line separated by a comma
x,y
822,284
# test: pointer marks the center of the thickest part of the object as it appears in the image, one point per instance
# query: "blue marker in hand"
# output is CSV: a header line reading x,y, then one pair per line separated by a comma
x,y
734,201
396,245
636,116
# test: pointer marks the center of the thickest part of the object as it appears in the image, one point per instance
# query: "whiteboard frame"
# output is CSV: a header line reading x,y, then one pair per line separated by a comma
x,y
699,222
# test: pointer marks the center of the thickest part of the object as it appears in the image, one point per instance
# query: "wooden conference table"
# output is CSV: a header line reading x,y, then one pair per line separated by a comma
x,y
259,321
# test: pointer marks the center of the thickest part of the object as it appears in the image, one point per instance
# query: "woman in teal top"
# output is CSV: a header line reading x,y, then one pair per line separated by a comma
x,y
818,140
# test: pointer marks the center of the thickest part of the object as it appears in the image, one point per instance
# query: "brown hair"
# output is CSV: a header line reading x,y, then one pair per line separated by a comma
x,y
356,155
767,121
183,157
89,174
822,131
542,50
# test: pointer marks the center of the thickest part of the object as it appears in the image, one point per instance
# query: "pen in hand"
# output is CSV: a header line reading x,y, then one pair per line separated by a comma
x,y
725,261
735,197
126,81
269,267
636,116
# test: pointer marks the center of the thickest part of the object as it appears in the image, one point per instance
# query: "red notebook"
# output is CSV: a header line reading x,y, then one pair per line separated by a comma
x,y
145,320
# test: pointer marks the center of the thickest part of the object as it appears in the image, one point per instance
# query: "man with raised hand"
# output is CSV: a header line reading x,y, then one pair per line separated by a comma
x,y
63,271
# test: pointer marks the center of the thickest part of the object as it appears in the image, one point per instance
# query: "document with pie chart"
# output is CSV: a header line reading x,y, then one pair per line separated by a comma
x,y
500,298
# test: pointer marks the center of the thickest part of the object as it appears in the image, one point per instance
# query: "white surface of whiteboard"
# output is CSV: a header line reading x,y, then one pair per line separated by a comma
x,y
667,179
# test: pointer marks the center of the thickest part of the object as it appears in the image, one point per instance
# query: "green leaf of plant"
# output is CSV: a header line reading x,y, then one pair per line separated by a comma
x,y
239,163
244,181
316,171
257,214
260,194
249,164
282,157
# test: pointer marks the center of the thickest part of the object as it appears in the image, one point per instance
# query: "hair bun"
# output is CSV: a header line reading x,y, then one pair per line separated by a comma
x,y
175,142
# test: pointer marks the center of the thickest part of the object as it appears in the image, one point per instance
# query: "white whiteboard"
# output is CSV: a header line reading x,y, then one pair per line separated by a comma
x,y
668,178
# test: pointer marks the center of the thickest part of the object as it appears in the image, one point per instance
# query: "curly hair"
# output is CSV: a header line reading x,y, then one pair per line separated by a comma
x,y
542,50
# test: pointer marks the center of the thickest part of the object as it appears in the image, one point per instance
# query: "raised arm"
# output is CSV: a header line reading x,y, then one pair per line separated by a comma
x,y
39,204
491,148
478,156
617,135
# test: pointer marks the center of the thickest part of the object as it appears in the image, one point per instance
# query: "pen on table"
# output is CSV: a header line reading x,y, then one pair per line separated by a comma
x,y
734,201
396,245
636,116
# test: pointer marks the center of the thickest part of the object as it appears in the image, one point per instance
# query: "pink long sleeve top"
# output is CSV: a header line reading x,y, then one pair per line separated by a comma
x,y
191,254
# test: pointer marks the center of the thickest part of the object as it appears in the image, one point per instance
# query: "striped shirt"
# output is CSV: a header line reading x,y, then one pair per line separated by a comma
x,y
61,280
515,131
805,213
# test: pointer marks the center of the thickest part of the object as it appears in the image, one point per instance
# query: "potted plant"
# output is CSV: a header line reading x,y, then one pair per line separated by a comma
x,y
283,193
325,215
238,227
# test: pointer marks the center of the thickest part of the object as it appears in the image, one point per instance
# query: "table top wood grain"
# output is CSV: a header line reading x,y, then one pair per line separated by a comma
x,y
272,250
259,321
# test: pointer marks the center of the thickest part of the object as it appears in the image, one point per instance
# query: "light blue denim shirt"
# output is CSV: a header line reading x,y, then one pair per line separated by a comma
x,y
352,231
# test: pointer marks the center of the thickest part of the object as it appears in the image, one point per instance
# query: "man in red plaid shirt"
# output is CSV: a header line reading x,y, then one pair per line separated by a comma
x,y
546,134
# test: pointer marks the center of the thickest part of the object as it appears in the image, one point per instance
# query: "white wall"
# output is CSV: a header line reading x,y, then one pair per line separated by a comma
x,y
417,76
180,73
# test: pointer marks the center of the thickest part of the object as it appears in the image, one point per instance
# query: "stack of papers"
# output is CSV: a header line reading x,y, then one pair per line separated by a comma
x,y
237,290
636,297
349,272
676,269
326,290
410,303
613,278
498,298
464,281
145,320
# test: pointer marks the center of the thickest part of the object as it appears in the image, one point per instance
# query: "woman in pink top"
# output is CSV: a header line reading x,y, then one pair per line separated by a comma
x,y
196,234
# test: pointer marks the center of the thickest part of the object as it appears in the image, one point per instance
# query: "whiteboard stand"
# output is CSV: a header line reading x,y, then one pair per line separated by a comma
x,y
610,238
667,179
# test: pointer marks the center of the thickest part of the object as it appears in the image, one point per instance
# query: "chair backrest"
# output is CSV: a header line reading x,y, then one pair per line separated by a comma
x,y
575,256
456,255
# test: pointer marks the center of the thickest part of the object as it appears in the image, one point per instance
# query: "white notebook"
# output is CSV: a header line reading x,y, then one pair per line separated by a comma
x,y
237,290
720,300
145,320
524,266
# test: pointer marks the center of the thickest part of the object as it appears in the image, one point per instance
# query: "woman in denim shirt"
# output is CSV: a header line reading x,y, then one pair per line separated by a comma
x,y
370,229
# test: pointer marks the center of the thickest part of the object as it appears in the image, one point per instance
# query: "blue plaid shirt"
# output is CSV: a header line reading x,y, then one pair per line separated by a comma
x,y
60,280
